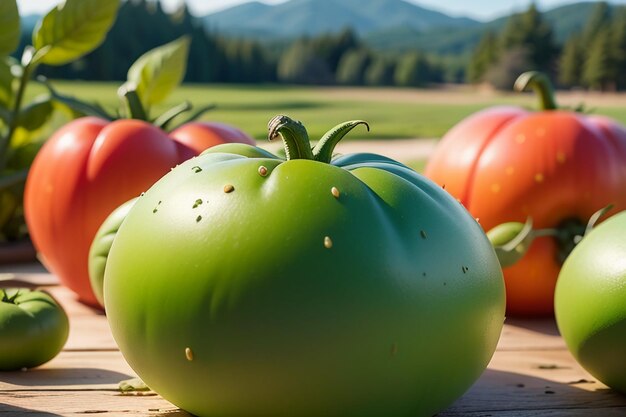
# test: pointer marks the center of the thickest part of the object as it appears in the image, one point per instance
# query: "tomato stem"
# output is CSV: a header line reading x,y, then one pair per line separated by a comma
x,y
294,135
323,150
134,108
541,85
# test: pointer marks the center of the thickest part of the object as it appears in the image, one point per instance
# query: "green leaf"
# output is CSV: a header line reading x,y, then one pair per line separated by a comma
x,y
6,82
73,29
10,24
76,107
159,71
35,114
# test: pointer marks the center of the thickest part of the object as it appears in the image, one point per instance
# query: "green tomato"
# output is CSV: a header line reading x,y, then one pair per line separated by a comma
x,y
245,284
33,328
590,302
101,245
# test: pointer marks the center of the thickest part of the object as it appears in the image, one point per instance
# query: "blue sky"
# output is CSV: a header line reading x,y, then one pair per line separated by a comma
x,y
477,9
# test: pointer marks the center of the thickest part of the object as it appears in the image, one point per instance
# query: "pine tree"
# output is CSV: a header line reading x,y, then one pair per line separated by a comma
x,y
332,47
600,18
484,56
597,69
618,47
531,32
571,62
380,71
352,66
413,70
300,65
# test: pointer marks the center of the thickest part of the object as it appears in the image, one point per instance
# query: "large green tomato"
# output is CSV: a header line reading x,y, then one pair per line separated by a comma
x,y
590,302
33,328
243,284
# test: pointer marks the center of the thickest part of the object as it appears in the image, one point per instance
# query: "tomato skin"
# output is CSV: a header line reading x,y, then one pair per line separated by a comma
x,y
82,173
241,306
33,328
551,165
590,305
203,135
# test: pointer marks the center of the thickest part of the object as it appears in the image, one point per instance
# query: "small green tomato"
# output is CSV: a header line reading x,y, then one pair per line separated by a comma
x,y
33,328
590,302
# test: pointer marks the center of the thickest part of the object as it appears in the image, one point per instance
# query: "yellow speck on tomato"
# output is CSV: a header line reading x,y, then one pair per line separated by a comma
x,y
495,188
561,157
335,192
189,354
520,138
229,188
328,243
539,177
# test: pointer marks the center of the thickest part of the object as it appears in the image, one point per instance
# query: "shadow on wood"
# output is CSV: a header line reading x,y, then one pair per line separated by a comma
x,y
545,325
500,393
10,410
51,377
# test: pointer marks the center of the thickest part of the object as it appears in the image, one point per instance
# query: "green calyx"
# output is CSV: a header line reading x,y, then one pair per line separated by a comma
x,y
9,295
296,139
512,240
541,85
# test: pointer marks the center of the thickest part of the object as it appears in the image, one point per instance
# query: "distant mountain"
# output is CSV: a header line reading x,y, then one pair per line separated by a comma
x,y
313,17
565,21
383,24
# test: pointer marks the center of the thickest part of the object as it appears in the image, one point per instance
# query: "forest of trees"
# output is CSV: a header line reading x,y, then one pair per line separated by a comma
x,y
594,59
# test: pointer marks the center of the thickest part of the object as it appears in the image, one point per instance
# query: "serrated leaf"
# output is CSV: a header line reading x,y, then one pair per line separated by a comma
x,y
73,29
35,114
159,71
10,24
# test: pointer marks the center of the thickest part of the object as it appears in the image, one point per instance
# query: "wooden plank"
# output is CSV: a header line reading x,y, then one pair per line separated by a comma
x,y
72,403
72,371
531,373
530,334
516,383
528,381
571,412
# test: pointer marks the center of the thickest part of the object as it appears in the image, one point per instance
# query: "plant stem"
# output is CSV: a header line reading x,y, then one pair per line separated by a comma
x,y
5,141
294,135
134,108
323,151
542,86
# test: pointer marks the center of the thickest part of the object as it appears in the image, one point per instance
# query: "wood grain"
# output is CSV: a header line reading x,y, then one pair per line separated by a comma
x,y
531,373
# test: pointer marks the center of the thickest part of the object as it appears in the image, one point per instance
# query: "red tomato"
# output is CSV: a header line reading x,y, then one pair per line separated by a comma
x,y
556,166
87,169
202,135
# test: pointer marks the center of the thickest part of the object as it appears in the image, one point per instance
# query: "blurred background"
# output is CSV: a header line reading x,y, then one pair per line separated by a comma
x,y
374,43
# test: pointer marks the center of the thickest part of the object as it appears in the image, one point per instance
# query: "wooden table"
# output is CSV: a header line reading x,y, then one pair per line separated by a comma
x,y
531,373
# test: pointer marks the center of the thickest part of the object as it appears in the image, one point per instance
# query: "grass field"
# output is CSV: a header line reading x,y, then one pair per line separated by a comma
x,y
391,113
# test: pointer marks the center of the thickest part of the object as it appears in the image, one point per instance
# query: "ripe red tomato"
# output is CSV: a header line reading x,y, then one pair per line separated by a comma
x,y
556,166
87,169
202,135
